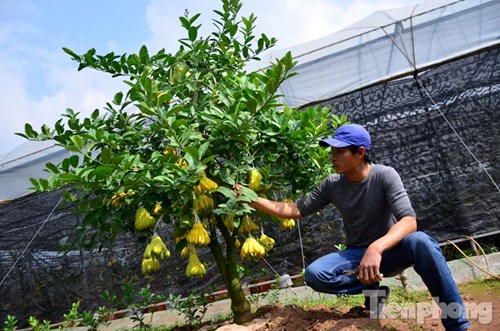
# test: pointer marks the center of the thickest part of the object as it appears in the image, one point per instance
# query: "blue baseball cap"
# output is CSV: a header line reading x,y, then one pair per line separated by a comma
x,y
348,135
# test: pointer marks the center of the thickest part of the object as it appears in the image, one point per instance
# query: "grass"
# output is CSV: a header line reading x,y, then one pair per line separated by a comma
x,y
479,288
399,297
327,300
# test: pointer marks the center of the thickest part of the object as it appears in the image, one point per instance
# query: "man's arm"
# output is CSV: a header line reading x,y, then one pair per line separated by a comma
x,y
273,208
277,209
369,267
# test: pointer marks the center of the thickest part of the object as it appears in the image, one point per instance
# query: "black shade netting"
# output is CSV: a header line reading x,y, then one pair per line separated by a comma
x,y
442,135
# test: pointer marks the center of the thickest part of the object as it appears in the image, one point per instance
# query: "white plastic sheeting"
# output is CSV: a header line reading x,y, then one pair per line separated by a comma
x,y
25,162
385,44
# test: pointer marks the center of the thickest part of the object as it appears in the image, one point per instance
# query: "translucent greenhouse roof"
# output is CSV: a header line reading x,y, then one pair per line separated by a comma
x,y
385,45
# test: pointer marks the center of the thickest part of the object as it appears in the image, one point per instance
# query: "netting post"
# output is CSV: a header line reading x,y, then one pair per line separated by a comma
x,y
403,277
473,247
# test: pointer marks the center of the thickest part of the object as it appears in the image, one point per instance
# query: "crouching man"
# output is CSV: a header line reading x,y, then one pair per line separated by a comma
x,y
380,225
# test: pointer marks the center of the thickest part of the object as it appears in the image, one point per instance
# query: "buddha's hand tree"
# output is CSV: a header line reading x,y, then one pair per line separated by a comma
x,y
168,151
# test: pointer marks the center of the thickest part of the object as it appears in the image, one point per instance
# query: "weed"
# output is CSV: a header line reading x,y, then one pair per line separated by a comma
x,y
314,299
37,326
94,320
136,307
194,306
10,323
340,247
400,296
349,300
274,295
71,318
415,327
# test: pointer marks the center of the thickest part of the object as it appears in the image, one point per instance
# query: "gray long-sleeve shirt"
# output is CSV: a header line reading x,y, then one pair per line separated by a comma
x,y
368,208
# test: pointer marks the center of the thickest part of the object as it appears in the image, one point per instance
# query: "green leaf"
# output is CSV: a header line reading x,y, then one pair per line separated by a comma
x,y
103,171
193,33
74,160
105,155
193,152
184,22
78,141
68,196
52,168
117,100
72,54
144,55
28,129
203,148
69,177
44,184
226,177
248,193
63,242
35,184
194,18
163,179
252,105
226,191
271,86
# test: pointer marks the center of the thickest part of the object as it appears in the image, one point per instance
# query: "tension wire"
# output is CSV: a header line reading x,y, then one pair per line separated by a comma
x,y
32,239
456,133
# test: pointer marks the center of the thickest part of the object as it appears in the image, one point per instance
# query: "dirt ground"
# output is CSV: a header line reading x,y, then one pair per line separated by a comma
x,y
482,301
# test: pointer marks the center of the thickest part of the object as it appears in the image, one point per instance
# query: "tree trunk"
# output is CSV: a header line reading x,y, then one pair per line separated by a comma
x,y
228,268
240,307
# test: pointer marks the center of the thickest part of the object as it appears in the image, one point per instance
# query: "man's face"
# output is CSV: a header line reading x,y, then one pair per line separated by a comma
x,y
343,160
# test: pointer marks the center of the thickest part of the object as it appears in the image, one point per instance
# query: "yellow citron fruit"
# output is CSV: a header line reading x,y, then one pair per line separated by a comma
x,y
161,99
185,252
237,243
178,73
252,249
206,185
267,242
247,225
150,265
198,235
285,224
118,199
177,239
197,190
182,163
169,151
255,178
203,204
157,209
143,220
159,249
229,223
148,252
194,268
254,181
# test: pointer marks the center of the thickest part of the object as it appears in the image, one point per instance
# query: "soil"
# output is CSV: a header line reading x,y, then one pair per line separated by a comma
x,y
481,299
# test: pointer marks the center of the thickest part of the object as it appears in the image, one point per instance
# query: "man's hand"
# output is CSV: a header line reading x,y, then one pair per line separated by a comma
x,y
273,208
236,189
369,267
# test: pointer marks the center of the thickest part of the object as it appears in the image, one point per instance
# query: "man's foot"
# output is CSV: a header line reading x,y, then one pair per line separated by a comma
x,y
376,303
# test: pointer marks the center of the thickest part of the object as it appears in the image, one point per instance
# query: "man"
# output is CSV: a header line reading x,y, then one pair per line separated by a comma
x,y
381,230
